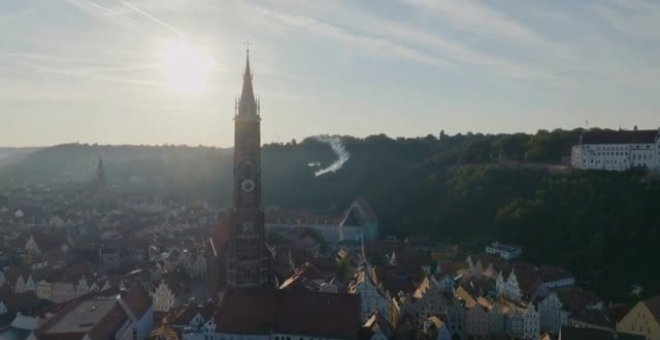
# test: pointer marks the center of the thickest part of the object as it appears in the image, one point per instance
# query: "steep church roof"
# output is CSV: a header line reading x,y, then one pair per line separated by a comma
x,y
247,104
289,312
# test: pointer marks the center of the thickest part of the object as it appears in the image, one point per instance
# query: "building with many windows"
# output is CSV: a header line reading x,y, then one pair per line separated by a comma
x,y
643,319
505,251
617,150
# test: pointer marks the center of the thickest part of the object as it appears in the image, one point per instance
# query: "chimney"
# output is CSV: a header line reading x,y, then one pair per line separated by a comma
x,y
635,128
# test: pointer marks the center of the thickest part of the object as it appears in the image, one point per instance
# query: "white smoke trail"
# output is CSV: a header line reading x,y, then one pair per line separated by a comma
x,y
339,149
94,8
151,17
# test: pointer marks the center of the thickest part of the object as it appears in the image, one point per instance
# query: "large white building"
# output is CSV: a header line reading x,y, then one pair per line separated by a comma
x,y
505,251
617,150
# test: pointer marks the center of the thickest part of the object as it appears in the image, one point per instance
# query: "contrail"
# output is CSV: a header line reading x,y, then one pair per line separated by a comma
x,y
81,4
339,149
153,18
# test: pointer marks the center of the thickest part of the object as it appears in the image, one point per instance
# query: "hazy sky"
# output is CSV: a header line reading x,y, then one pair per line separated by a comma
x,y
168,71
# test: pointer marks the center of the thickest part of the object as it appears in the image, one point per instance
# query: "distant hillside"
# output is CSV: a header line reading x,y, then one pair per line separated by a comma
x,y
9,156
469,189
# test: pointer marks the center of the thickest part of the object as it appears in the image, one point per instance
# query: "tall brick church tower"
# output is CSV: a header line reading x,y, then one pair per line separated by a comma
x,y
248,259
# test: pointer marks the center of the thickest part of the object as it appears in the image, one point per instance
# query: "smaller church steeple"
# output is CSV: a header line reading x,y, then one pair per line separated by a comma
x,y
100,175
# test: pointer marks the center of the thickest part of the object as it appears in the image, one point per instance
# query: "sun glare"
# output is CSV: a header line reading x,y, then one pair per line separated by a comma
x,y
185,66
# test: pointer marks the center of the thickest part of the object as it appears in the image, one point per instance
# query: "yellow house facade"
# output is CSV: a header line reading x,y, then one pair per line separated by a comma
x,y
643,319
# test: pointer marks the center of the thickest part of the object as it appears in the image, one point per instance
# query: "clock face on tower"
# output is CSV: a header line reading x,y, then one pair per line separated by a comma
x,y
247,185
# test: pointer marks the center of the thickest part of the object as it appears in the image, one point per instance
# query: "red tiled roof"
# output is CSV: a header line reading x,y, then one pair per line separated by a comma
x,y
617,312
12,274
653,304
395,280
593,317
487,259
138,300
18,301
291,312
59,315
575,299
109,324
527,274
187,313
619,137
452,267
72,273
551,273
46,241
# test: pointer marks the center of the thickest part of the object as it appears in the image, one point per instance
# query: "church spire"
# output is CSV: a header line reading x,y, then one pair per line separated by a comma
x,y
248,257
247,104
100,174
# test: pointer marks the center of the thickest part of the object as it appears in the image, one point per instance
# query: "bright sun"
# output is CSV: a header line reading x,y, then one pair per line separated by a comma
x,y
185,66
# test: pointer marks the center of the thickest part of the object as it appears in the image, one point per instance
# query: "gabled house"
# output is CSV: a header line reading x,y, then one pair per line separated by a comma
x,y
496,321
373,298
31,247
128,315
163,298
531,323
643,319
376,327
552,315
509,287
193,322
476,321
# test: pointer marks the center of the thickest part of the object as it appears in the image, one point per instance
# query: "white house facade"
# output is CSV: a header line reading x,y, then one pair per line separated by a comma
x,y
44,290
531,323
163,298
372,298
505,251
31,247
515,324
550,309
617,150
509,288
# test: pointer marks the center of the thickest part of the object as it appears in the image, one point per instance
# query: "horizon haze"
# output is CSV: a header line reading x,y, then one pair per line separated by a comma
x,y
167,72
